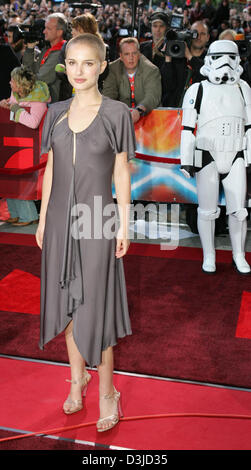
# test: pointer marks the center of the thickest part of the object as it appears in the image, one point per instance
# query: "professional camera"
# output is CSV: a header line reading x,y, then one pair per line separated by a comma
x,y
176,38
33,33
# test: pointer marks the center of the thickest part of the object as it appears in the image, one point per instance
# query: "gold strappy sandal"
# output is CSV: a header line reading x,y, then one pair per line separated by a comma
x,y
72,406
113,419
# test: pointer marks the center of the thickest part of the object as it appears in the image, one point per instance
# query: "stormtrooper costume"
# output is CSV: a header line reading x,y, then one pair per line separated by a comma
x,y
220,107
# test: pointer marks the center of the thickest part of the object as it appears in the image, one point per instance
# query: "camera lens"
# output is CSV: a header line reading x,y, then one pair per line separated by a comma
x,y
175,49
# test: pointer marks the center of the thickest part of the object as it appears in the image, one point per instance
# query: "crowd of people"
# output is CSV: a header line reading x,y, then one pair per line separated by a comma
x,y
116,16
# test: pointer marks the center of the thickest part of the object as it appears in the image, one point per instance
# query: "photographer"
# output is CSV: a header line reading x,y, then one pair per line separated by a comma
x,y
178,73
43,63
9,61
16,41
159,24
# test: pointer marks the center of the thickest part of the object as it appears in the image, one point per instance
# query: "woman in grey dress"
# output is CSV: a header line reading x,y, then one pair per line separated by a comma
x,y
89,139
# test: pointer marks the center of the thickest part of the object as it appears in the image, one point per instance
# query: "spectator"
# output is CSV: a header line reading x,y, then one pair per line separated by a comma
x,y
43,63
159,23
222,13
134,80
27,92
9,61
179,73
223,26
228,34
186,22
198,45
163,7
34,95
196,13
188,5
247,13
208,11
236,25
145,29
16,41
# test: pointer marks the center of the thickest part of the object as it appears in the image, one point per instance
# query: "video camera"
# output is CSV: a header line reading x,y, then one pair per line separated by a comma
x,y
33,33
176,38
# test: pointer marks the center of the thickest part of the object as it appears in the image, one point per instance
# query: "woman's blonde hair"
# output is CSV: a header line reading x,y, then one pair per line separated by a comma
x,y
90,40
227,32
24,78
86,23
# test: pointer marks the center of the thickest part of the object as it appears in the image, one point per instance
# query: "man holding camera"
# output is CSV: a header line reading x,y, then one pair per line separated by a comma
x,y
178,73
150,49
43,63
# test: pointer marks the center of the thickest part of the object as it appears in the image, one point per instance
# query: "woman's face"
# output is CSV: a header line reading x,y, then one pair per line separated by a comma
x,y
76,32
83,66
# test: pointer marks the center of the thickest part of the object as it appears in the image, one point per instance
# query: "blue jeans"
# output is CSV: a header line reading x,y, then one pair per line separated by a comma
x,y
25,210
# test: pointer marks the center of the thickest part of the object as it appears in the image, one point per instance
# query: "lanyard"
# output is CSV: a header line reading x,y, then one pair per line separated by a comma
x,y
131,80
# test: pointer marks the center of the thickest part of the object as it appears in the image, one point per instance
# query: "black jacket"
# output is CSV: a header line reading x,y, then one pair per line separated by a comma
x,y
177,76
9,61
147,50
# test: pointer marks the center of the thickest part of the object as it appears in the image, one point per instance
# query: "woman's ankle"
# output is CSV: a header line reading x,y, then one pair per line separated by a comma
x,y
106,391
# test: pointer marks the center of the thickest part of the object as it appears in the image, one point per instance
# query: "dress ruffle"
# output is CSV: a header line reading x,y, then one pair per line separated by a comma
x,y
71,277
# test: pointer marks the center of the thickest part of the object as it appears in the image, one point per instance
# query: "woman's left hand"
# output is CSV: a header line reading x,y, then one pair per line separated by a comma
x,y
122,246
5,104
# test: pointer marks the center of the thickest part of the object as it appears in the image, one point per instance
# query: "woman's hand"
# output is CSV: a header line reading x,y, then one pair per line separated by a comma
x,y
123,244
40,235
5,104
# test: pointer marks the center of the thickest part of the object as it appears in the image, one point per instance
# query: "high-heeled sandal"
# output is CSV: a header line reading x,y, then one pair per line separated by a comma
x,y
113,419
72,406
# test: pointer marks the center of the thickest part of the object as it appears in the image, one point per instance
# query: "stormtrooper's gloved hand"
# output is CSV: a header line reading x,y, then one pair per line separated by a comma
x,y
187,170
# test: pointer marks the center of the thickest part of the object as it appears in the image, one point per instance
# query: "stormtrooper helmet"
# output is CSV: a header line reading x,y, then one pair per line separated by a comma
x,y
222,63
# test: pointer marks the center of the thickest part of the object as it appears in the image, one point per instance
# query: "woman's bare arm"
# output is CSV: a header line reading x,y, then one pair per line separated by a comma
x,y
122,181
46,191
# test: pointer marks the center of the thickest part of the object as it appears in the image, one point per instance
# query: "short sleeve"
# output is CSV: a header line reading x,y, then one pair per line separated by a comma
x,y
124,134
54,113
46,132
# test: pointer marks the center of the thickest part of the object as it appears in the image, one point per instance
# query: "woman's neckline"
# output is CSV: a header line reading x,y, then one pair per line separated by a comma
x,y
91,123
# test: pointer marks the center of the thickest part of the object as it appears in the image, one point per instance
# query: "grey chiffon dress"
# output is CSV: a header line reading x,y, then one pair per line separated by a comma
x,y
81,279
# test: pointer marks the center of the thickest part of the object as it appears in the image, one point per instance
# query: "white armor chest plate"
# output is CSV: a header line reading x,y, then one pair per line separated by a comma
x,y
220,126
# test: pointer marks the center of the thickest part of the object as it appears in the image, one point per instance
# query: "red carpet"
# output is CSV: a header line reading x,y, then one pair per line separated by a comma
x,y
20,292
32,395
189,330
244,322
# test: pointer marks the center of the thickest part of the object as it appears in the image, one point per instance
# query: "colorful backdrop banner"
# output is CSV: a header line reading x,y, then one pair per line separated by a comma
x,y
21,168
156,174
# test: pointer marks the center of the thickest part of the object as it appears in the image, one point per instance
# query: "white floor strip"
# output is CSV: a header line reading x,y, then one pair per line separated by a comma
x,y
95,445
133,374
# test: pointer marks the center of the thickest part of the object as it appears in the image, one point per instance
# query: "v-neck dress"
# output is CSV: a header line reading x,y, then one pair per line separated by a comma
x,y
81,279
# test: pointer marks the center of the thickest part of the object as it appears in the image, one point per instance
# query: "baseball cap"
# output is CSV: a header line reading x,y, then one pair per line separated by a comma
x,y
160,16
